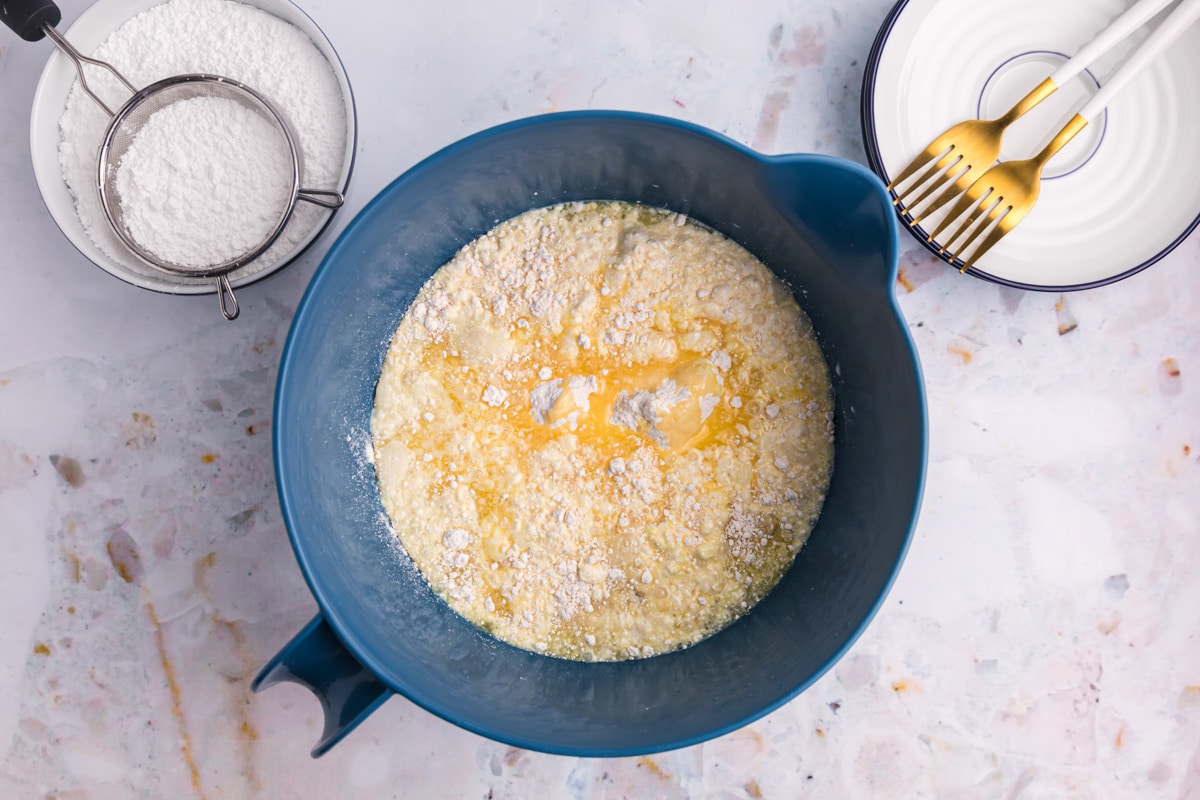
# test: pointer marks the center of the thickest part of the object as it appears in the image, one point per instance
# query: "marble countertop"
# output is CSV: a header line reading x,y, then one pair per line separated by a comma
x,y
1042,640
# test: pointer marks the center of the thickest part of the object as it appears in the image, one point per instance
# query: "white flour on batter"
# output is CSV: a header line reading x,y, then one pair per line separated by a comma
x,y
602,432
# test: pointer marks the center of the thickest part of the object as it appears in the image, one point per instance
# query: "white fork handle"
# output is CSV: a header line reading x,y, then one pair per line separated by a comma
x,y
1133,18
1156,43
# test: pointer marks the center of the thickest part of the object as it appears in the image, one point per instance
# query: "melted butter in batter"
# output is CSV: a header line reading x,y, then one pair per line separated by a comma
x,y
603,431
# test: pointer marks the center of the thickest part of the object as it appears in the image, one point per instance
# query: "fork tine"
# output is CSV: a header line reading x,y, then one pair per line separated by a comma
x,y
946,186
932,178
970,198
1002,227
951,188
984,209
992,223
1004,223
917,165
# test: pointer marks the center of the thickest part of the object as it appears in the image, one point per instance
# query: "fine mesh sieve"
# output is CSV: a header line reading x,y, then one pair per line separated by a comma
x,y
129,121
33,19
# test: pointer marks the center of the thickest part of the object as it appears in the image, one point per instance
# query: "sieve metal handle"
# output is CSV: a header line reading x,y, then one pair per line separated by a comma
x,y
325,198
80,59
29,18
229,303
34,19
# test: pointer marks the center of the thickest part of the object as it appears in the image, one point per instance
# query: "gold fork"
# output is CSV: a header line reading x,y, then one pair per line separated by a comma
x,y
1004,194
963,152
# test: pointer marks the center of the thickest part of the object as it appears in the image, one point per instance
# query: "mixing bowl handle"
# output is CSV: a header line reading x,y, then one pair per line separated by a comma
x,y
316,658
28,18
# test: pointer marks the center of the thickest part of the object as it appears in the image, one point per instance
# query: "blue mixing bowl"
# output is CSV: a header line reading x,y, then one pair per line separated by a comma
x,y
824,225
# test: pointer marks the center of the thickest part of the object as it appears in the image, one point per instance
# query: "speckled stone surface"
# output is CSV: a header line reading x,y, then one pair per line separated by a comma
x,y
1043,638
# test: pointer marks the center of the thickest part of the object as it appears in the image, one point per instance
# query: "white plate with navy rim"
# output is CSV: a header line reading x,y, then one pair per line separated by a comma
x,y
87,33
1115,200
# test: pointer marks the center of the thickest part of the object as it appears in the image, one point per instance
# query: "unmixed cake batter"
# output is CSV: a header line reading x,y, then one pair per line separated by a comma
x,y
603,431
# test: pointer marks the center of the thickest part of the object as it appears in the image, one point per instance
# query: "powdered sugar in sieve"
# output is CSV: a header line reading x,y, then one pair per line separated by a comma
x,y
158,191
207,232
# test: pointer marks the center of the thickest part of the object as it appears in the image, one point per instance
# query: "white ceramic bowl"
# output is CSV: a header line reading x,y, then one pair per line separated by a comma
x,y
1115,200
50,99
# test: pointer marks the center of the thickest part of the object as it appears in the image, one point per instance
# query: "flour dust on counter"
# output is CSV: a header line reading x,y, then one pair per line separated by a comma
x,y
603,431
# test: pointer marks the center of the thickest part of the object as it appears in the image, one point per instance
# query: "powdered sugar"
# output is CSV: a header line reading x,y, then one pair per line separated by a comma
x,y
223,38
204,181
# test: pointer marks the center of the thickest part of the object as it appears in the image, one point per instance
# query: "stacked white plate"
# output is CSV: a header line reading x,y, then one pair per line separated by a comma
x,y
1118,198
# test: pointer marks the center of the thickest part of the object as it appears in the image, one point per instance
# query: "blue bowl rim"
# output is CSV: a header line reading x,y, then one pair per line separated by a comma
x,y
871,145
329,610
